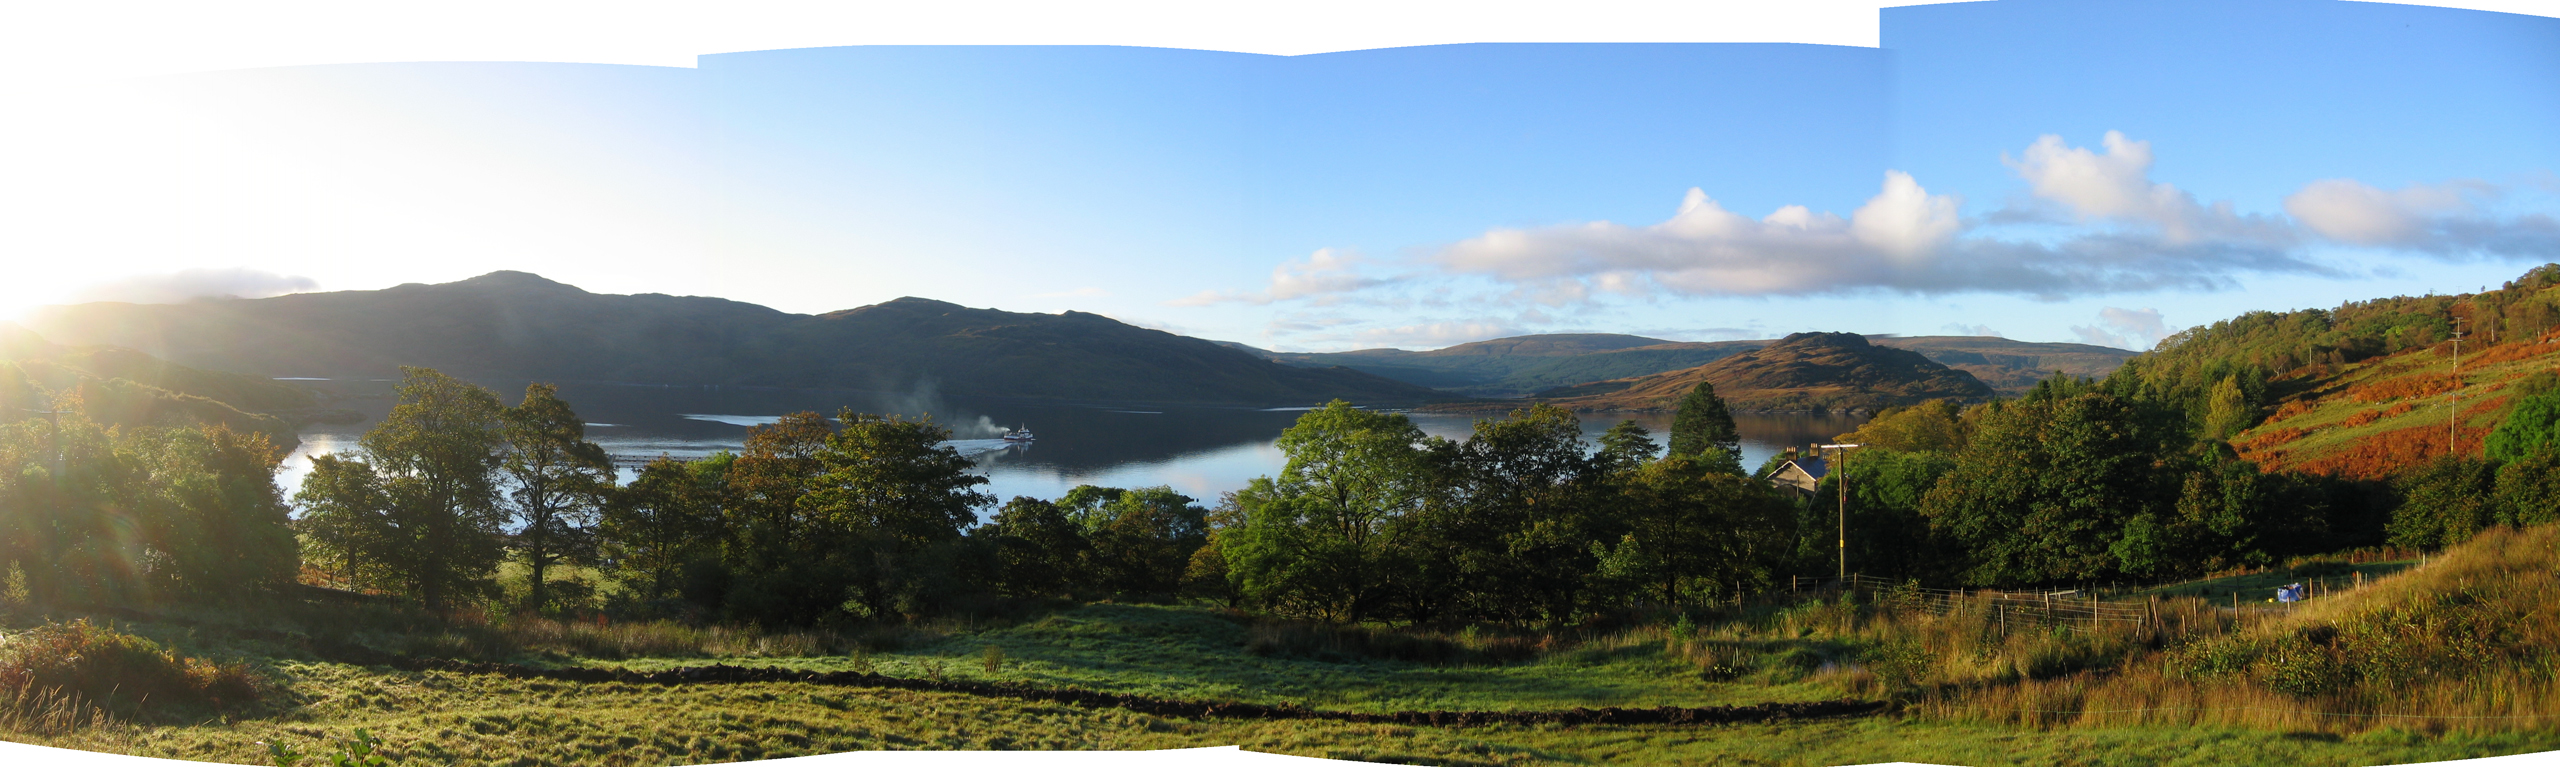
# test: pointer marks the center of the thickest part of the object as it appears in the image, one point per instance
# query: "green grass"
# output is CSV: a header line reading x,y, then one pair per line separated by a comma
x,y
437,718
1193,653
1968,710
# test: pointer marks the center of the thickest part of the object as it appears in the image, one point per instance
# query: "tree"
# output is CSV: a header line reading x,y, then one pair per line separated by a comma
x,y
2532,426
1888,534
1516,515
2228,410
346,521
1937,425
215,514
1143,542
2048,483
1041,552
654,525
2444,502
560,481
1704,423
2528,489
429,514
1626,447
1695,530
891,492
1311,543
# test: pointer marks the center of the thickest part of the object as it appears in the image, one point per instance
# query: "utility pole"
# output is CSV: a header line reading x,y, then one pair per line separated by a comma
x,y
2453,399
1843,472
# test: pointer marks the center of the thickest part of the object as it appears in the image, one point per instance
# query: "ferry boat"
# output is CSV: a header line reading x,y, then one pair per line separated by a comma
x,y
1018,435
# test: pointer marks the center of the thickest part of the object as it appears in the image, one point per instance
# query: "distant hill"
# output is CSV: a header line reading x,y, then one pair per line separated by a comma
x,y
120,386
1522,365
1838,372
2012,367
519,325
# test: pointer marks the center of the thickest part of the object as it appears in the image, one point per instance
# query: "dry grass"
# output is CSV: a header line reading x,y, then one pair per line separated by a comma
x,y
2468,642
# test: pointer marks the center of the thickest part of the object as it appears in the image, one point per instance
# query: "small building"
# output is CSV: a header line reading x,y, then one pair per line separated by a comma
x,y
1801,475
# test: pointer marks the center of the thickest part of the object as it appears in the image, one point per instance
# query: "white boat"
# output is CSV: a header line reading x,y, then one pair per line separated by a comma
x,y
1018,435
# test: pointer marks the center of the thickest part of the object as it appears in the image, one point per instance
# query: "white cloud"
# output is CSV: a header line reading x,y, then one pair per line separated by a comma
x,y
1902,239
1434,334
1962,329
196,283
2117,186
2441,219
2136,329
1904,220
1324,274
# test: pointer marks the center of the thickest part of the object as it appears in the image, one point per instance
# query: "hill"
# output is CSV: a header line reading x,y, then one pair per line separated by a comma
x,y
518,325
1522,365
2364,390
119,386
2011,367
1802,372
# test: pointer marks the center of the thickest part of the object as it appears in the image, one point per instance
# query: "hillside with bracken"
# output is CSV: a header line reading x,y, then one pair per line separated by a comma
x,y
2370,388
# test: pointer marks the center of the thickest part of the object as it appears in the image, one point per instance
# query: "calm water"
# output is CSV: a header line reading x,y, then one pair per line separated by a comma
x,y
1199,451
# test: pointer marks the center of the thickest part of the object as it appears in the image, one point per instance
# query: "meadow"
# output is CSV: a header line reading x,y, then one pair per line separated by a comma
x,y
2451,659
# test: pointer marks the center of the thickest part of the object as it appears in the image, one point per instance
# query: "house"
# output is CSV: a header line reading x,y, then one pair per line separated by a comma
x,y
1800,475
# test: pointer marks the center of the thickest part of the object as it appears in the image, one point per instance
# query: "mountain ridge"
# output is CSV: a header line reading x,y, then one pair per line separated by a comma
x,y
520,325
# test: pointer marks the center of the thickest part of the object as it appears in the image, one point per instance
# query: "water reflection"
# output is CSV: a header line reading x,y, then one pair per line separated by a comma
x,y
1198,451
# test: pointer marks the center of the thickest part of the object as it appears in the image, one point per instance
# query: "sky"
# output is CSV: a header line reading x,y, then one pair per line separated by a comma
x,y
1315,176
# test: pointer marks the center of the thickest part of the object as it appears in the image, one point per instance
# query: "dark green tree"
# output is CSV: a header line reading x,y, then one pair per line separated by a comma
x,y
1041,552
897,499
1625,447
2444,502
1888,534
2048,484
1694,532
558,484
651,527
1143,543
1704,423
2528,489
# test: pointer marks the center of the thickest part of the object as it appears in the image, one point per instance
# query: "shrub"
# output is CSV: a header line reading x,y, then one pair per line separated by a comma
x,y
116,670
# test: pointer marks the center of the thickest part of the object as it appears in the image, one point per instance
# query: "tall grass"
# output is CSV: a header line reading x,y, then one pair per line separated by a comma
x,y
2471,641
600,638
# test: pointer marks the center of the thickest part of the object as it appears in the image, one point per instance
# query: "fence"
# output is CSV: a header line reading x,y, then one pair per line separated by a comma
x,y
2077,609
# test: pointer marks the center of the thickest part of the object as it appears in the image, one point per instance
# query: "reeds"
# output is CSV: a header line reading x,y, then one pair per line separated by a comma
x,y
28,708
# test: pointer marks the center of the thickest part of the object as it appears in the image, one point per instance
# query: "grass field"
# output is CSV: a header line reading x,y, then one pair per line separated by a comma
x,y
1969,695
436,718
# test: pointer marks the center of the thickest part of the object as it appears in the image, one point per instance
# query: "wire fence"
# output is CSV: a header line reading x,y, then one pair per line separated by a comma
x,y
2067,608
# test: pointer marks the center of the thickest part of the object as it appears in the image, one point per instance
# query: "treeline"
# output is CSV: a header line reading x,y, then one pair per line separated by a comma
x,y
863,518
2085,480
867,518
871,518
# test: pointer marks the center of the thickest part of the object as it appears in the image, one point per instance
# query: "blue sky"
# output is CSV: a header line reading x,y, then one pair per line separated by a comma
x,y
2046,170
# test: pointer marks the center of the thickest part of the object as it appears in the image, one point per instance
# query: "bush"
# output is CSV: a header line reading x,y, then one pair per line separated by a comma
x,y
118,671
